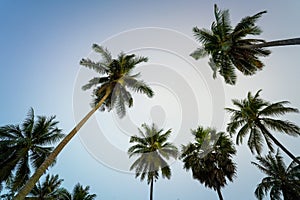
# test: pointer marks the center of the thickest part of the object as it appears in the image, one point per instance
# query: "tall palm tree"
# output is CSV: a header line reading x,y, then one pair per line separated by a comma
x,y
79,193
209,158
111,91
280,180
48,190
254,116
152,148
25,145
231,48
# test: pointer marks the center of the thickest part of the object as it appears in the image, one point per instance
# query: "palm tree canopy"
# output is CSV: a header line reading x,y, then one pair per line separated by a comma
x,y
115,77
79,193
226,45
252,112
25,145
48,190
152,148
280,180
209,157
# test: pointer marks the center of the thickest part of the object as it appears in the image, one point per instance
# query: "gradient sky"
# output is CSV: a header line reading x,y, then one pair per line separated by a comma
x,y
41,44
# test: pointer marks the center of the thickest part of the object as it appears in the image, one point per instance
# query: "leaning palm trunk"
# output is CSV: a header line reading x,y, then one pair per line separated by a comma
x,y
293,41
49,160
219,193
265,131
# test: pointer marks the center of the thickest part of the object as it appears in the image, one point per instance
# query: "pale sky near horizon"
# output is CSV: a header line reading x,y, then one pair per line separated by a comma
x,y
43,42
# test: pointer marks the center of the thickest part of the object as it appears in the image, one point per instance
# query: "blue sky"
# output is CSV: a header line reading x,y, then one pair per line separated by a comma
x,y
42,43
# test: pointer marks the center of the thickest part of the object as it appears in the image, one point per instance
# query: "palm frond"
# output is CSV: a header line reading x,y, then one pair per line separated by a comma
x,y
227,71
278,108
247,26
242,133
222,25
199,53
96,66
106,55
139,59
28,123
138,86
255,141
282,126
22,173
93,82
8,132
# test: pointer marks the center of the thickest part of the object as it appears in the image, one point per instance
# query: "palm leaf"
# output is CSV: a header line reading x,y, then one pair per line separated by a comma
x,y
199,53
96,66
106,55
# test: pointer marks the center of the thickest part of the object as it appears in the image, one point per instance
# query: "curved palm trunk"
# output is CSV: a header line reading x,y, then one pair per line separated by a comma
x,y
265,131
49,160
293,41
219,193
151,189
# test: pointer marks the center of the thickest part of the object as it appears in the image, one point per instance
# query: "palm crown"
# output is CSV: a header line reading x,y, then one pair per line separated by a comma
x,y
280,180
152,148
254,116
47,190
25,144
79,193
228,47
210,158
116,77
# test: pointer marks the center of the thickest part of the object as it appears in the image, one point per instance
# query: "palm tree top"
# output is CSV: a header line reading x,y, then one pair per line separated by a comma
x,y
254,108
207,140
115,77
25,146
153,139
280,180
48,190
79,193
152,148
209,158
255,115
230,47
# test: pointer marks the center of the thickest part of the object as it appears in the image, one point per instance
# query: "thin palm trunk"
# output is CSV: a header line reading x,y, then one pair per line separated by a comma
x,y
265,131
293,41
219,193
49,160
151,189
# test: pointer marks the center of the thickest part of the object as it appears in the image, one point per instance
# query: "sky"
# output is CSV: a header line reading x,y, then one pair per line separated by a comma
x,y
41,44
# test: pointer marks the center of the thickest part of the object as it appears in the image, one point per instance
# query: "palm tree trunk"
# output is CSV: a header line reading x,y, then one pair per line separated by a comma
x,y
151,189
265,131
293,41
49,160
219,193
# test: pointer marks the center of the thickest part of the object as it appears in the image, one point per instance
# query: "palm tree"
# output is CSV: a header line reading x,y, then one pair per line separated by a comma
x,y
25,147
48,190
231,48
152,148
210,158
254,116
79,193
111,91
280,180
